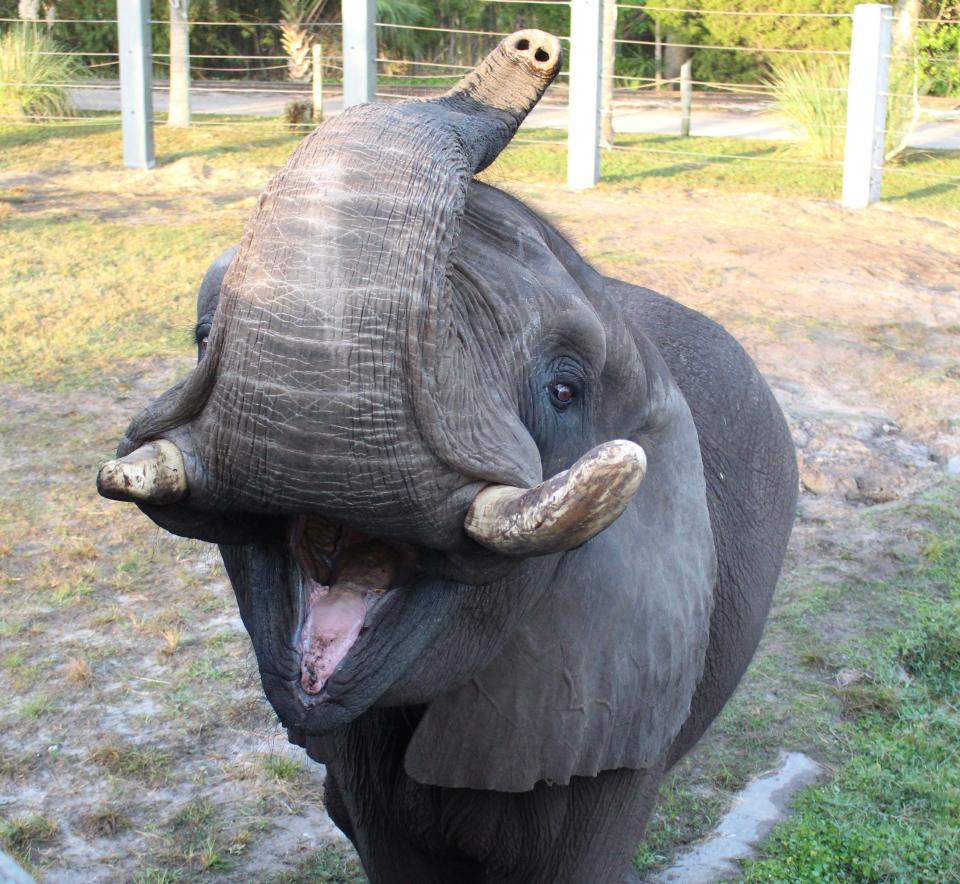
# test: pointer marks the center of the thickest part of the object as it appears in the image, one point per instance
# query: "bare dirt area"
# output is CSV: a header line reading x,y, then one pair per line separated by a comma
x,y
134,740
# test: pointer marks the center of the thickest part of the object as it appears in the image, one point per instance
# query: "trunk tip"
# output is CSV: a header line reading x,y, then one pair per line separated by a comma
x,y
538,50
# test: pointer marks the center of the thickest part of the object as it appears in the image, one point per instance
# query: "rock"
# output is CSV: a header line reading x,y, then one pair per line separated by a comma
x,y
953,465
817,482
846,677
873,488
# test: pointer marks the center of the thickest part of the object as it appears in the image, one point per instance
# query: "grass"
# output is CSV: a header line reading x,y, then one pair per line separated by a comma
x,y
145,764
30,76
332,864
98,270
25,836
891,810
80,275
811,94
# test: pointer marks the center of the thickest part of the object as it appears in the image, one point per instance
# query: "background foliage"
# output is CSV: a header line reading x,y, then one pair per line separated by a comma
x,y
254,30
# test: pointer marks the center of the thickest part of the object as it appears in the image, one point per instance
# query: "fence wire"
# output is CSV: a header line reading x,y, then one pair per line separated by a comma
x,y
436,70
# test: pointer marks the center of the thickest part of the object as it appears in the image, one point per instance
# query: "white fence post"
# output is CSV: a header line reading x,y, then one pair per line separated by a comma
x,y
359,19
583,124
866,104
136,81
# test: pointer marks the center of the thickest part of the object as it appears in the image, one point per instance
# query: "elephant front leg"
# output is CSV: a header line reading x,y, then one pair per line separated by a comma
x,y
586,831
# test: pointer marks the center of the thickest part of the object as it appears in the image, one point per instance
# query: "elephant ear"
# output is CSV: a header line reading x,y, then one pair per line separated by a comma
x,y
601,672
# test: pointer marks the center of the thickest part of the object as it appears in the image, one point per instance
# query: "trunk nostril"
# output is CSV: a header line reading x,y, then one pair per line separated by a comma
x,y
539,48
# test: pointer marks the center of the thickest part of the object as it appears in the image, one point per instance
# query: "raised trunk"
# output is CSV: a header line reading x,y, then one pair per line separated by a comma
x,y
328,376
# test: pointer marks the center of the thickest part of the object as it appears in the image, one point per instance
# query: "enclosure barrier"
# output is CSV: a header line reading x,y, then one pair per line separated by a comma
x,y
866,104
867,88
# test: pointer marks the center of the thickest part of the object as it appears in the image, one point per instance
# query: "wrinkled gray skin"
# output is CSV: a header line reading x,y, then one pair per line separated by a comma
x,y
386,342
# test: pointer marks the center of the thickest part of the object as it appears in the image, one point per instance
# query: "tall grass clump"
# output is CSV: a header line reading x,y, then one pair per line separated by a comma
x,y
30,79
813,94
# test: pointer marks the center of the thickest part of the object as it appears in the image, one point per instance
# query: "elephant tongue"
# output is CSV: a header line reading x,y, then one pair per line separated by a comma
x,y
335,614
333,622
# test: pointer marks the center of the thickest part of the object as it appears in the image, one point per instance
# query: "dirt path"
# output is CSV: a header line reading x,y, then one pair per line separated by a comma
x,y
135,729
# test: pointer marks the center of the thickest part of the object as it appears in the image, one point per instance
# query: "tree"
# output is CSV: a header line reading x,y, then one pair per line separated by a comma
x,y
179,109
609,64
296,16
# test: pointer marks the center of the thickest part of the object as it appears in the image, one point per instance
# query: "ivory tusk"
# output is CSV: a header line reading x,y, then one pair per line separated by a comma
x,y
563,512
154,473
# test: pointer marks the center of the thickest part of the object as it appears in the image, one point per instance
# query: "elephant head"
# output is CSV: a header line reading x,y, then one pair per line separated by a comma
x,y
418,430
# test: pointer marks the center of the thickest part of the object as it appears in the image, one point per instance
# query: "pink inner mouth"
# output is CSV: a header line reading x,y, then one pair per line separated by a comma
x,y
344,574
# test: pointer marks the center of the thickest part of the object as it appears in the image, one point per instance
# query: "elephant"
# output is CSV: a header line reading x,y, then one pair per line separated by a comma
x,y
504,531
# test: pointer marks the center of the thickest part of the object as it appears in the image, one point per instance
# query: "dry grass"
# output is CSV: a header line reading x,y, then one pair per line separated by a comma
x,y
77,672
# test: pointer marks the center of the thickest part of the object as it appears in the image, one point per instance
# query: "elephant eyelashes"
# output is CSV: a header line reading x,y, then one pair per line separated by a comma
x,y
202,346
562,394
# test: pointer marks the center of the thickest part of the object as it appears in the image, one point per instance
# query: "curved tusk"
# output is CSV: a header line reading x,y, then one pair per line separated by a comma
x,y
153,473
563,512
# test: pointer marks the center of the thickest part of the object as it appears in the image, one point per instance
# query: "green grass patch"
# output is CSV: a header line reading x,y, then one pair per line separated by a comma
x,y
892,811
282,767
93,283
863,676
332,864
24,836
727,164
144,763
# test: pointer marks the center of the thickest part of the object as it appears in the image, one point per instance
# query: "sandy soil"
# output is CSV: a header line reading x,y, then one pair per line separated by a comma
x,y
133,718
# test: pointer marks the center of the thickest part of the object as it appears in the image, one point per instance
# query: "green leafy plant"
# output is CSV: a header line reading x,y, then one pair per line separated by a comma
x,y
31,79
813,94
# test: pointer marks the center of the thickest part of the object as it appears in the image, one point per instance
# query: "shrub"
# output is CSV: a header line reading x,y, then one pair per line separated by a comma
x,y
813,94
30,79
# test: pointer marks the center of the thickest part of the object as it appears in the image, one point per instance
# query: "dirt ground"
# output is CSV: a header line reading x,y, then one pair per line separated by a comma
x,y
133,726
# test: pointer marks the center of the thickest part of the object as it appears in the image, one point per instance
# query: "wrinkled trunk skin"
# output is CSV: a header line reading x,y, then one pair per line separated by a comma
x,y
329,380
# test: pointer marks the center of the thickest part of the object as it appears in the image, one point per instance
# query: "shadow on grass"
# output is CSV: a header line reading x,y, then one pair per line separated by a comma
x,y
31,132
639,159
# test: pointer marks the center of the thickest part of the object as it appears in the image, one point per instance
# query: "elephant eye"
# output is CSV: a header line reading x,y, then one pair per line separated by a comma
x,y
562,394
202,345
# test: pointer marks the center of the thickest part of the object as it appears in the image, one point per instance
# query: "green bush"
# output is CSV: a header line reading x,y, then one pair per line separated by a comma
x,y
939,49
813,94
29,79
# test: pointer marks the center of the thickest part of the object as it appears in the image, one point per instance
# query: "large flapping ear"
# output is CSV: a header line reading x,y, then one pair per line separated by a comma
x,y
601,673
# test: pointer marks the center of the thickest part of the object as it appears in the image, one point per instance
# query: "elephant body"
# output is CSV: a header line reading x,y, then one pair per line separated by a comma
x,y
588,828
496,627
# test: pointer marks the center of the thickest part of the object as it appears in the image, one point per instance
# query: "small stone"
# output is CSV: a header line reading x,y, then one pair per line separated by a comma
x,y
873,488
816,482
846,677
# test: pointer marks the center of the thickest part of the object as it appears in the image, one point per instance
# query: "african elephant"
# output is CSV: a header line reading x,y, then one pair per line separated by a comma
x,y
503,531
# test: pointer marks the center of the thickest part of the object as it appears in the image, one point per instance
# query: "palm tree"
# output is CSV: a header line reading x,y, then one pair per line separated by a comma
x,y
296,16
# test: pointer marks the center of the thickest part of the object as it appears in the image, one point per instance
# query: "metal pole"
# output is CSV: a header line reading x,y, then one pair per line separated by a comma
x,y
359,19
179,108
583,126
866,104
686,97
136,77
318,82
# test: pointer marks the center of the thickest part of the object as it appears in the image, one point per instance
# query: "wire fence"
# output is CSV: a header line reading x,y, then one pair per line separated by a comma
x,y
402,78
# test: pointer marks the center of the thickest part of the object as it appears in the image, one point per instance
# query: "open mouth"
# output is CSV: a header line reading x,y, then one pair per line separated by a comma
x,y
343,574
